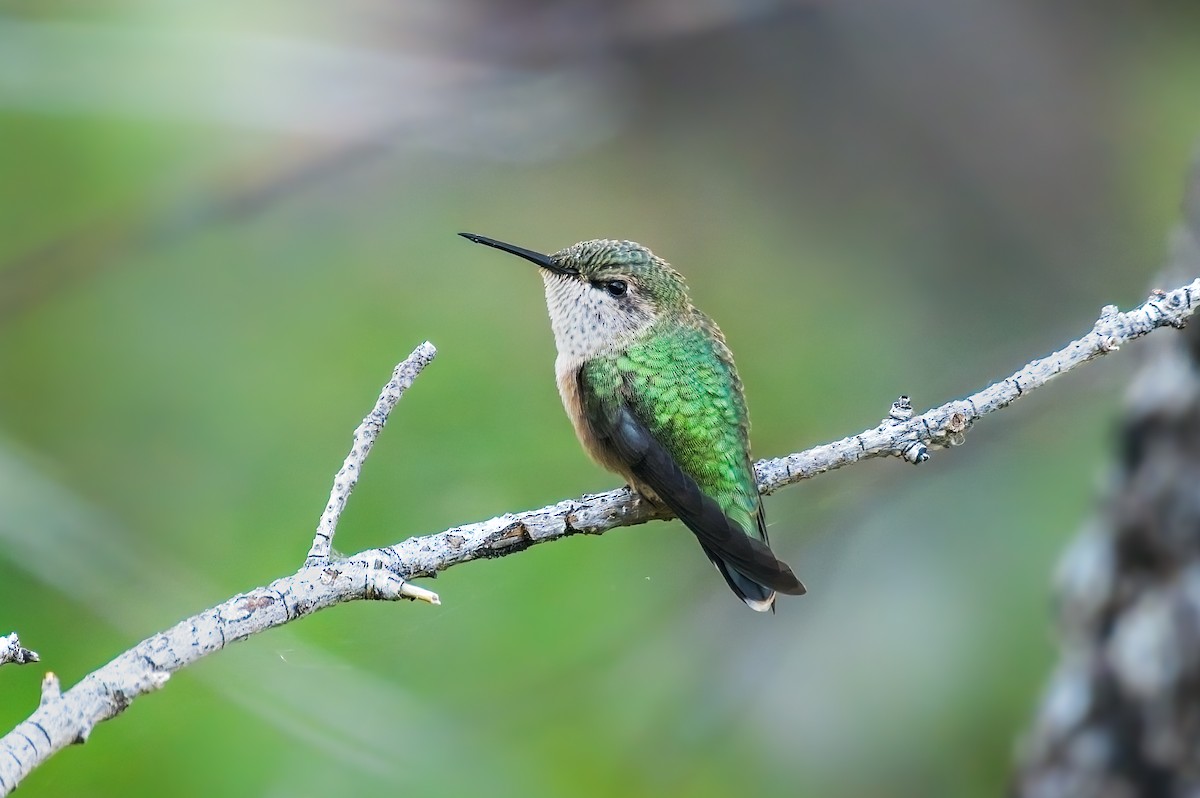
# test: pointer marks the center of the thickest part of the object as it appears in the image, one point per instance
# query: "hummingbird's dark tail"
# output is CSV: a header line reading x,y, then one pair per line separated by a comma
x,y
757,597
742,556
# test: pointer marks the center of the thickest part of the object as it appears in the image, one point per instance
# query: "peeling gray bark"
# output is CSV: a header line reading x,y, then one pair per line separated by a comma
x,y
1121,714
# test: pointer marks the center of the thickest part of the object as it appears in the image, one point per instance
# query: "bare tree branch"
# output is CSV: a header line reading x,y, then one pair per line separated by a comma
x,y
383,574
65,718
12,651
364,438
945,425
898,435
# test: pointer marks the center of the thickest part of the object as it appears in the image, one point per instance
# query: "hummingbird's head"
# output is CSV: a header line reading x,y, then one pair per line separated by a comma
x,y
602,293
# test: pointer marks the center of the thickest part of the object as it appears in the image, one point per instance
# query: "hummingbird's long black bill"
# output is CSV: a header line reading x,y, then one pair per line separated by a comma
x,y
528,254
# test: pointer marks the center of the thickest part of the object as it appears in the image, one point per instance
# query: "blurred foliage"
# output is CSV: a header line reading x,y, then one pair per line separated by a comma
x,y
223,226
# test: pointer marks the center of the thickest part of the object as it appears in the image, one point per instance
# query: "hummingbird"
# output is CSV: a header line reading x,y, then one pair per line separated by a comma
x,y
651,390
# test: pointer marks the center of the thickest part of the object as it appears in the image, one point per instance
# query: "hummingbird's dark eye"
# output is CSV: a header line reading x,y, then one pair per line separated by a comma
x,y
616,287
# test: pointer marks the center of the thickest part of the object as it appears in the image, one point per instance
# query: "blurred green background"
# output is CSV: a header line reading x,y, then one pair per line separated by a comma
x,y
223,225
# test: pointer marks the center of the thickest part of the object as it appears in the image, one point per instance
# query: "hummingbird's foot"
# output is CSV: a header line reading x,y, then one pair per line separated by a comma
x,y
648,496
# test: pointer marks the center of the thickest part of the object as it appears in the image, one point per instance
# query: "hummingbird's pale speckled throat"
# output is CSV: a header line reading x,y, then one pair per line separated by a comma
x,y
652,392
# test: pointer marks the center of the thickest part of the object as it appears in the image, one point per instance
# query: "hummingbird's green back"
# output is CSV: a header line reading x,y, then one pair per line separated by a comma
x,y
680,380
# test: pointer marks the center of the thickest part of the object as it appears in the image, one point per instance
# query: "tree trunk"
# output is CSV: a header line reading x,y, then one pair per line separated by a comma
x,y
1121,715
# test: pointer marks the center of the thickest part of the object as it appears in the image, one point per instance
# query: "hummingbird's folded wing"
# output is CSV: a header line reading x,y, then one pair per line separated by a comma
x,y
651,463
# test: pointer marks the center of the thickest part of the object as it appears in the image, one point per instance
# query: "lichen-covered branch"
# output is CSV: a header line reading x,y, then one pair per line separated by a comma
x,y
384,574
65,718
12,651
899,435
945,425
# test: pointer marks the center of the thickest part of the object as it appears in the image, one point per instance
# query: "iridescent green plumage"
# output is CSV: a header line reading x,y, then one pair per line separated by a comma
x,y
681,382
652,392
